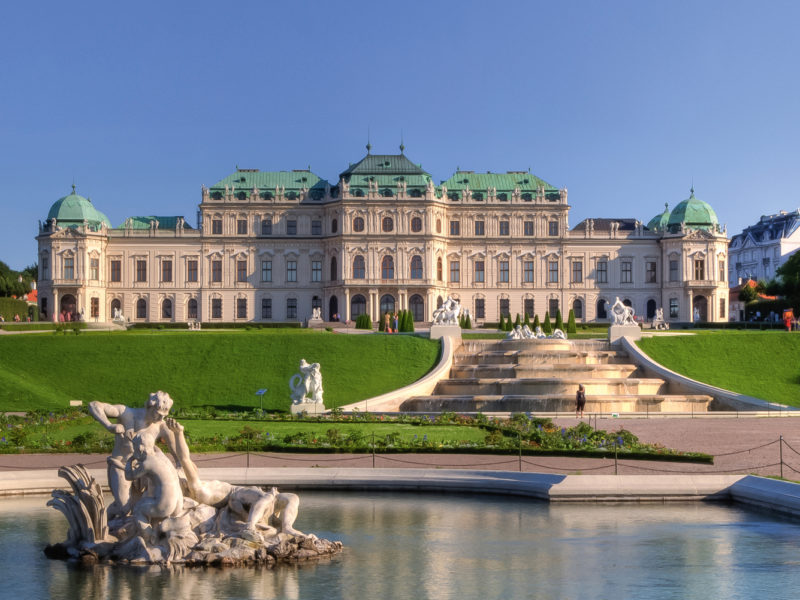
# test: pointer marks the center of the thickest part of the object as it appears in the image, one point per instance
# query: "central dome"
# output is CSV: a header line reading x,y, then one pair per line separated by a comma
x,y
72,210
694,214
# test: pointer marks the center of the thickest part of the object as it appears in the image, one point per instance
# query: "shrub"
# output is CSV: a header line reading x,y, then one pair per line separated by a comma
x,y
559,320
409,321
547,327
363,321
571,327
502,325
517,321
527,320
468,322
536,322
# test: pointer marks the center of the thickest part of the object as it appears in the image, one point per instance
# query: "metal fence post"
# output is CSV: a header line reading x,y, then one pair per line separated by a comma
x,y
519,440
780,445
373,450
615,459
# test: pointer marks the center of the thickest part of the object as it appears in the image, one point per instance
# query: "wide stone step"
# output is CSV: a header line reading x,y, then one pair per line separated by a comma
x,y
557,403
551,385
589,357
473,346
551,371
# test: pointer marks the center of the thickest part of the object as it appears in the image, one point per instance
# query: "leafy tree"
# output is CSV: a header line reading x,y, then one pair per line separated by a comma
x,y
748,294
547,327
571,327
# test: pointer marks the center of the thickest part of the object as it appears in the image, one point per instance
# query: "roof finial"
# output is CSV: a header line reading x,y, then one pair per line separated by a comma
x,y
369,146
402,146
666,206
73,187
691,190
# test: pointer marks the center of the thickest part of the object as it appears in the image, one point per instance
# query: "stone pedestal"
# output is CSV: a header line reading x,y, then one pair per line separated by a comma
x,y
440,331
615,332
310,408
315,323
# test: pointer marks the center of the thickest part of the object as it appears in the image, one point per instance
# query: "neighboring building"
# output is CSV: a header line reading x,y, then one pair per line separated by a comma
x,y
271,246
761,249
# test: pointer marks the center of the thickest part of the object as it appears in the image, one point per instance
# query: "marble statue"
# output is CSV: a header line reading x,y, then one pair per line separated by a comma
x,y
658,320
539,334
447,313
621,314
167,514
696,315
523,332
316,314
308,382
559,334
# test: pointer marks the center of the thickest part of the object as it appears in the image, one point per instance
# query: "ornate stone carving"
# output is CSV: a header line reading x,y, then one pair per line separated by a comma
x,y
447,313
307,383
621,314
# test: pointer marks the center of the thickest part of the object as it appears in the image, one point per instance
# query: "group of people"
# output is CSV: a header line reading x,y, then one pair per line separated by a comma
x,y
390,323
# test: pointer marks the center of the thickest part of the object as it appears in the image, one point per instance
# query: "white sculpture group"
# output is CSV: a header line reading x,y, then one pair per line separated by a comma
x,y
306,386
622,314
448,313
523,332
163,512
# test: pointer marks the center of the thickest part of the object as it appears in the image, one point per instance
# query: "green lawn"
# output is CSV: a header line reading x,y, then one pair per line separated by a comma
x,y
221,368
764,364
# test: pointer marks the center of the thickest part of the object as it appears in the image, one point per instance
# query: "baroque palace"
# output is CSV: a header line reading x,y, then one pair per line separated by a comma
x,y
272,246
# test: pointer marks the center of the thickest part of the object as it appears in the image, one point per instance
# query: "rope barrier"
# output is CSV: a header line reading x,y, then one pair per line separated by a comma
x,y
409,462
746,450
338,458
788,445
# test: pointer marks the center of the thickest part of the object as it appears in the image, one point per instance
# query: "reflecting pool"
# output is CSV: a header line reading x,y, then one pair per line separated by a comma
x,y
451,546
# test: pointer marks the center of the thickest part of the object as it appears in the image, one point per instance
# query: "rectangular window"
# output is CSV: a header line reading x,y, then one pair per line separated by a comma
x,y
216,227
45,265
266,308
479,271
166,271
504,307
455,271
291,227
552,271
141,270
94,269
626,276
216,308
455,227
673,308
602,272
291,270
553,305
722,270
650,272
700,269
480,308
266,226
527,271
316,227
266,271
722,308
552,228
673,271
527,228
191,270
528,307
95,307
216,271
191,313
116,270
291,308
577,271
241,226
241,308
503,271
316,270
480,228
241,270
504,228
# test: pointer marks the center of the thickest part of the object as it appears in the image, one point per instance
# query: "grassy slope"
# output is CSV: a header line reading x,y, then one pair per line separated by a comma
x,y
198,368
761,364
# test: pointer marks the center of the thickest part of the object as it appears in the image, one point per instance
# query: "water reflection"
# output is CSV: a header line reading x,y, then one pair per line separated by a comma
x,y
447,546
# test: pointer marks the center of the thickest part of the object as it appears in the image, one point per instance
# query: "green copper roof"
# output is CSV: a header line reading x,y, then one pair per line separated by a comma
x,y
144,222
504,183
72,210
387,171
383,164
659,222
694,213
244,180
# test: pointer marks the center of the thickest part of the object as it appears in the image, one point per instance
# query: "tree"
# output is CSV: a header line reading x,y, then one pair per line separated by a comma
x,y
536,322
789,273
527,321
748,294
559,320
571,327
517,321
502,325
468,322
547,327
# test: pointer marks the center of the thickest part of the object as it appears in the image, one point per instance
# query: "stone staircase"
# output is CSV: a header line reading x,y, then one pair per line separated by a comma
x,y
543,376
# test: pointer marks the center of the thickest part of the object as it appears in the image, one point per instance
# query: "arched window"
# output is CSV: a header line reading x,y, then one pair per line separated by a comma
x,y
358,306
141,308
191,309
116,305
577,308
416,224
334,270
439,269
601,309
359,268
416,267
627,302
387,224
387,267
417,306
358,224
387,303
334,226
166,309
651,309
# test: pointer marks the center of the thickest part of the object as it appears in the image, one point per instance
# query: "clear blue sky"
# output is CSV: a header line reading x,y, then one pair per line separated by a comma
x,y
624,103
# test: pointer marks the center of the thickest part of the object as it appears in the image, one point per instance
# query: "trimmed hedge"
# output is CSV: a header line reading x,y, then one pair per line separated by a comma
x,y
11,306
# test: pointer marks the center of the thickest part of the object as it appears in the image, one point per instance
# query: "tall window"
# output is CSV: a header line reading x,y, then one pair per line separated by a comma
x,y
291,308
626,275
266,226
216,271
504,228
527,271
503,265
166,309
601,309
528,307
387,304
241,226
94,271
166,271
216,308
316,227
359,267
505,307
316,270
45,265
241,270
479,271
191,270
722,270
722,308
116,270
602,271
527,228
191,309
577,271
552,228
673,308
700,268
358,306
291,271
141,308
334,269
291,227
241,308
416,267
417,306
577,308
69,267
673,271
95,307
439,274
266,308
216,226
455,227
387,224
358,224
552,271
480,308
387,267
334,225
480,228
416,224
650,272
455,271
553,305
141,270
266,271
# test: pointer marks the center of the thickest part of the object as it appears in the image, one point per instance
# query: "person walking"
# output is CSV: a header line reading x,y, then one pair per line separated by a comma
x,y
580,401
395,322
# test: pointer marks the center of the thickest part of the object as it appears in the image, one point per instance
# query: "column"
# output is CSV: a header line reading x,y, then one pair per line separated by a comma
x,y
346,311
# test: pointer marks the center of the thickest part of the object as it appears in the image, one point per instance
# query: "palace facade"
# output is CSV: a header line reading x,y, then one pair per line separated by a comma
x,y
271,246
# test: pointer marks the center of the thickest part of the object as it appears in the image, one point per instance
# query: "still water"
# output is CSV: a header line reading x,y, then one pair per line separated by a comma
x,y
448,546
